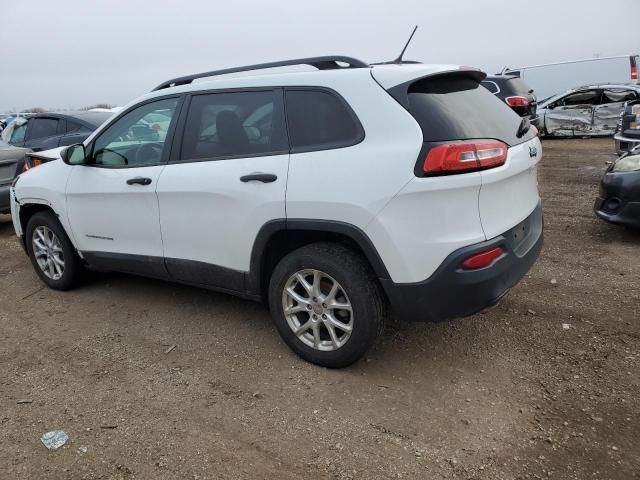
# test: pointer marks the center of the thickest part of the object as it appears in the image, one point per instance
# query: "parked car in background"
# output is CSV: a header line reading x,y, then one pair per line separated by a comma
x,y
619,197
515,93
592,110
11,164
627,135
331,195
551,78
44,131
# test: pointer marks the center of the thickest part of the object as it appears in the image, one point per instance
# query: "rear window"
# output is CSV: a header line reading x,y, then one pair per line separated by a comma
x,y
456,107
518,87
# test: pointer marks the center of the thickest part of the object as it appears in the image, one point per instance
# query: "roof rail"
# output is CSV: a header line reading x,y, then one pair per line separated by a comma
x,y
321,63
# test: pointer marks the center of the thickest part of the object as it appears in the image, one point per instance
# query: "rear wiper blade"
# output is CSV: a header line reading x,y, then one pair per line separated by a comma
x,y
525,126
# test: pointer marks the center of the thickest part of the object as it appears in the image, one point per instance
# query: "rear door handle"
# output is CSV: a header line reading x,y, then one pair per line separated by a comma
x,y
139,181
260,177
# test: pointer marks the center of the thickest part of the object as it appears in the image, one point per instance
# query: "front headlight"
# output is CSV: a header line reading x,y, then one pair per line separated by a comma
x,y
627,164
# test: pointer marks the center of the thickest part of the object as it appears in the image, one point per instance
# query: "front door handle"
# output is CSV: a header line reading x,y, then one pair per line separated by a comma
x,y
260,177
139,181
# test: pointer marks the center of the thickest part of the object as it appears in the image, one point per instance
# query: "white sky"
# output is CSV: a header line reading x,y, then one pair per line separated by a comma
x,y
62,54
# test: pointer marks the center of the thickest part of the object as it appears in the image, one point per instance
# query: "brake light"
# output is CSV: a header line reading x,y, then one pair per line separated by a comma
x,y
482,259
35,162
460,157
634,72
517,101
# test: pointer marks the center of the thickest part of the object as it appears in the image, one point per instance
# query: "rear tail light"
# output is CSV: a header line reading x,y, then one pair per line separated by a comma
x,y
634,72
482,259
30,163
517,101
460,157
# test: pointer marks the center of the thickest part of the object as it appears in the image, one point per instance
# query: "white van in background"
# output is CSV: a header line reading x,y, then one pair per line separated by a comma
x,y
553,78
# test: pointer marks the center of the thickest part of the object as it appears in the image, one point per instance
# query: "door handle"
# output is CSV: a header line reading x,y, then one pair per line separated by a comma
x,y
139,181
260,177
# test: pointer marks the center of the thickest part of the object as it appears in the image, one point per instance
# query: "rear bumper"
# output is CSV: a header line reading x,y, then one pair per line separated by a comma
x,y
5,198
452,292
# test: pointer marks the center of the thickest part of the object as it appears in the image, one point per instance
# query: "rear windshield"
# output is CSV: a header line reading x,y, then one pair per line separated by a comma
x,y
518,86
455,107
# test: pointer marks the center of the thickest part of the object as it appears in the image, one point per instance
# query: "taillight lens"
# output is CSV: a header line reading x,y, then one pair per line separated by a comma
x,y
482,259
634,73
517,101
460,157
30,163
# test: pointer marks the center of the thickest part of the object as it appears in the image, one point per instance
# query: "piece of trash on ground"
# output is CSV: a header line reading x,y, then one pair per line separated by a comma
x,y
108,427
566,326
82,450
168,350
26,400
54,439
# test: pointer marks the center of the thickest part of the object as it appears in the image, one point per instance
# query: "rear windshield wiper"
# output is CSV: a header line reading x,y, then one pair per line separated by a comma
x,y
525,126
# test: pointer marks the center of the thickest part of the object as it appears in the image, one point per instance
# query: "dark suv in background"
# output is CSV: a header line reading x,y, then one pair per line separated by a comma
x,y
44,131
515,93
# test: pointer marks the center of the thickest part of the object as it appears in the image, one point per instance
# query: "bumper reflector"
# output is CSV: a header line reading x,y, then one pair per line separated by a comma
x,y
482,259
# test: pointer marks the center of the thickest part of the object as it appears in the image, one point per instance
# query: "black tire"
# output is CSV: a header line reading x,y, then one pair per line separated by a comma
x,y
356,279
72,264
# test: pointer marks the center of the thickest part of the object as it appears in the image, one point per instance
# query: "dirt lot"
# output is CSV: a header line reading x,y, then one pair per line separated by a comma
x,y
502,395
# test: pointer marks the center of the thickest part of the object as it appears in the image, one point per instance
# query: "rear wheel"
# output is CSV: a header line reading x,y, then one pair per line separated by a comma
x,y
52,254
327,304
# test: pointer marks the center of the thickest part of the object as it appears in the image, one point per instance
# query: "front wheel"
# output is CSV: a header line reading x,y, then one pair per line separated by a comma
x,y
327,304
51,252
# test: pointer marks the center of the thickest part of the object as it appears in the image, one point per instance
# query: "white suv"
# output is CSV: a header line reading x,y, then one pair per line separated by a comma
x,y
331,195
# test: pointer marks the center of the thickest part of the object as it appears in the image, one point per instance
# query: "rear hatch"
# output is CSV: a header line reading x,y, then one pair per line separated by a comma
x,y
521,98
466,129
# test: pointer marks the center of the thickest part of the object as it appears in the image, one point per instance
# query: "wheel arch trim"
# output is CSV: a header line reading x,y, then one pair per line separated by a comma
x,y
292,225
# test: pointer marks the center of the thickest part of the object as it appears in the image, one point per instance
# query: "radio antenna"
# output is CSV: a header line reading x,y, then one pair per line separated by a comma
x,y
399,59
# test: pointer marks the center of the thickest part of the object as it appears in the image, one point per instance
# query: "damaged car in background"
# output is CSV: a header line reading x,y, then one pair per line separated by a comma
x,y
627,136
586,111
619,197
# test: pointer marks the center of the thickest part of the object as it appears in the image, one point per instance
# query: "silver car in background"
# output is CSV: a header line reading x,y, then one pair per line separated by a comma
x,y
592,110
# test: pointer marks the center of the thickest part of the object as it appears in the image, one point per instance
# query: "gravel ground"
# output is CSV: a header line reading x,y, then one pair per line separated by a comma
x,y
544,385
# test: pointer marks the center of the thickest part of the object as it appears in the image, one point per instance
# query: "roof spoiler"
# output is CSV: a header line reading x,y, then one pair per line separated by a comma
x,y
321,63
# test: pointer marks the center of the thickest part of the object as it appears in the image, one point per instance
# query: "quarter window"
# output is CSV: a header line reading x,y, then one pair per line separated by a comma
x,y
234,124
618,96
319,120
137,138
17,135
491,86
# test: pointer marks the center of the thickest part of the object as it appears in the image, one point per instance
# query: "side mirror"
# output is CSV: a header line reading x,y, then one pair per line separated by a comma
x,y
74,155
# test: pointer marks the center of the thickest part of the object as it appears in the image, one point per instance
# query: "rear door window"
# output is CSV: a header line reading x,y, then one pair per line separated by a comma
x,y
234,124
42,128
456,107
320,120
